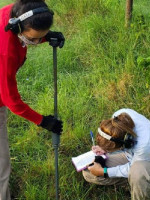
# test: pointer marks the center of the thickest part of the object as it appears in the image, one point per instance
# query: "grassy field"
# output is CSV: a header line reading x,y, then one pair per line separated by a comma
x,y
103,67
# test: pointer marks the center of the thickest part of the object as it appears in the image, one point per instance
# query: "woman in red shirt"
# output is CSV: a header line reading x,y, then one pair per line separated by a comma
x,y
24,23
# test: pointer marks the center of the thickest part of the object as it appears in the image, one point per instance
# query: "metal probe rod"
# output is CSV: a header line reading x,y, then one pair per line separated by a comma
x,y
55,137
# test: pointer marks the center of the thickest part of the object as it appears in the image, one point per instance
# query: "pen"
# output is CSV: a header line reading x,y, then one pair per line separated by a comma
x,y
92,137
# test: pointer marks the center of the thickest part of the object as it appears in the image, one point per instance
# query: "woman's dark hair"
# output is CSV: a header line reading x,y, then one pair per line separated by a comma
x,y
41,21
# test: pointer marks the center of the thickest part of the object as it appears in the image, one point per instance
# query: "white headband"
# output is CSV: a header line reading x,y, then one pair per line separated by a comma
x,y
104,135
26,15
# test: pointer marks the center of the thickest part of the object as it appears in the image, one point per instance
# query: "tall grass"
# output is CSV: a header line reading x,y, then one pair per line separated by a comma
x,y
102,67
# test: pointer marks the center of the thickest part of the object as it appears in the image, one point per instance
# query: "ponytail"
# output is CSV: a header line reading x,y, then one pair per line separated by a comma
x,y
124,123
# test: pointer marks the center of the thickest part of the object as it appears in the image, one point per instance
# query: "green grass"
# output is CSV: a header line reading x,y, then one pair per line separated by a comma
x,y
98,73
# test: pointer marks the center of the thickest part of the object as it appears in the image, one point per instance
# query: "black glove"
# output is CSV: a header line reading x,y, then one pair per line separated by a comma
x,y
100,160
52,124
55,39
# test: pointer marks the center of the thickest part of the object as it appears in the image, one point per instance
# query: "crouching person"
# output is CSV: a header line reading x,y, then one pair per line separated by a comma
x,y
125,139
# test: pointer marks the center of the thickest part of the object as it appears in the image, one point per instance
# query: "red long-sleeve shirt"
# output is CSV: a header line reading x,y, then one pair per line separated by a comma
x,y
12,57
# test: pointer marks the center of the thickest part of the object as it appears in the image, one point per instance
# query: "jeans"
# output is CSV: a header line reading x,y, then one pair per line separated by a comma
x,y
4,157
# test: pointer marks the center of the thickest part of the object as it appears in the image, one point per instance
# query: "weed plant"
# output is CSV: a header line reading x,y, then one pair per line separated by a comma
x,y
102,67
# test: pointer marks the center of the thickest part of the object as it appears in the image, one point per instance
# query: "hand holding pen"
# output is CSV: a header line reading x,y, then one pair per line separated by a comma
x,y
96,149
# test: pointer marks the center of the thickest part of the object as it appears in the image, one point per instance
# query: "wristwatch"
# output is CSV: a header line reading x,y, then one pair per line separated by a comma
x,y
105,172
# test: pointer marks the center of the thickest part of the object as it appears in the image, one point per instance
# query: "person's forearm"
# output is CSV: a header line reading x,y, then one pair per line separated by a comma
x,y
119,171
23,110
10,96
